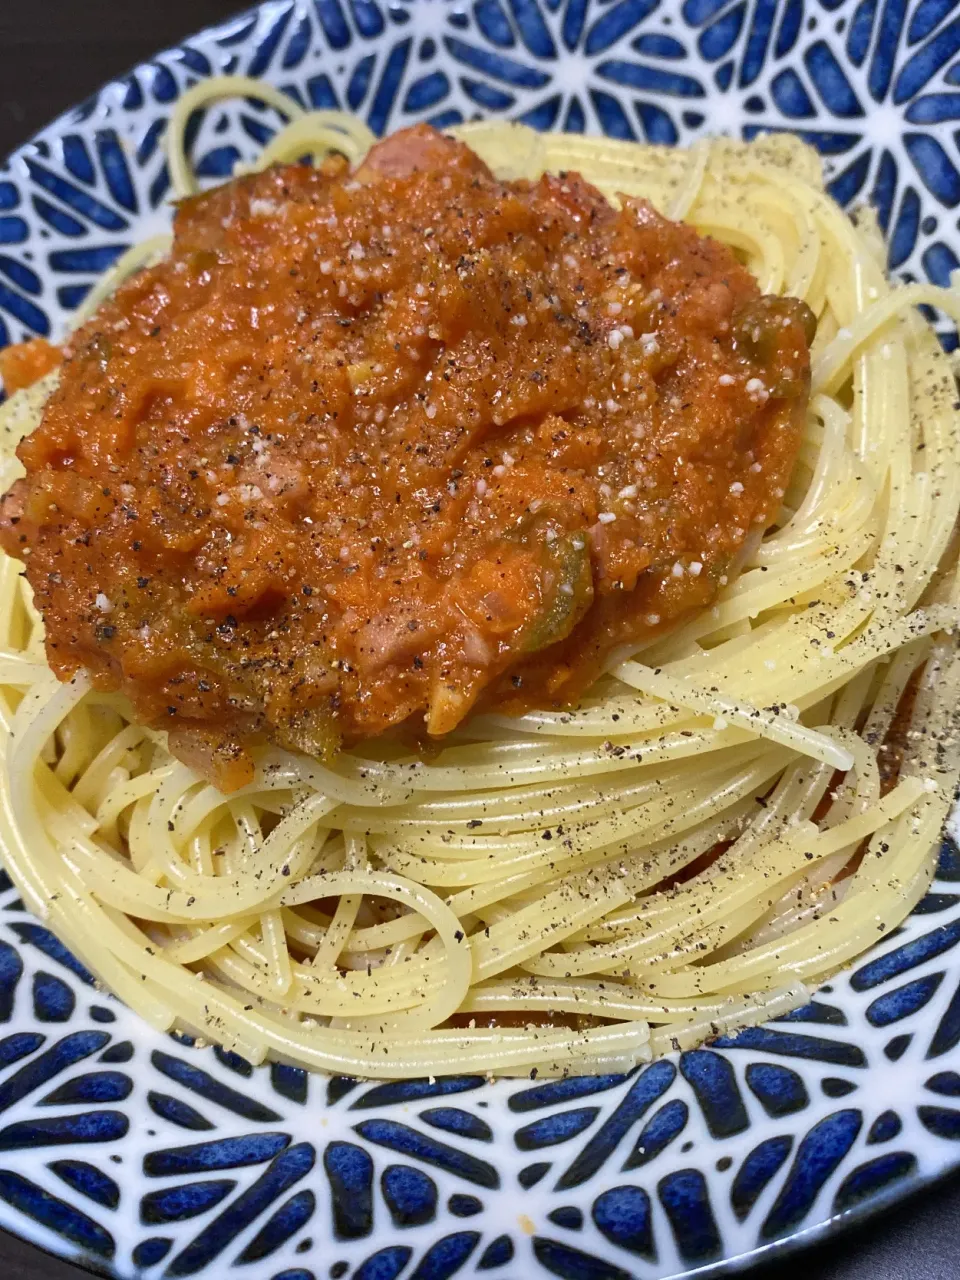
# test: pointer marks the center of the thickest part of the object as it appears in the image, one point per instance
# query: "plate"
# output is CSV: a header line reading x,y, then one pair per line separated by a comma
x,y
149,1155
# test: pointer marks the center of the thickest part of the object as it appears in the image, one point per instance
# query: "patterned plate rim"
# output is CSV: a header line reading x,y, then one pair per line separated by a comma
x,y
816,1233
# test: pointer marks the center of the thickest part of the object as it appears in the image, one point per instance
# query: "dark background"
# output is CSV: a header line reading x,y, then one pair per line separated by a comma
x,y
55,53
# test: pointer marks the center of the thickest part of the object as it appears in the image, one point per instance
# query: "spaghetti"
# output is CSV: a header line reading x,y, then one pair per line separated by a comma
x,y
564,891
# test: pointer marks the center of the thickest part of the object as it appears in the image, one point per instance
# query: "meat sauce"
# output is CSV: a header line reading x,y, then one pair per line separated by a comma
x,y
381,447
26,363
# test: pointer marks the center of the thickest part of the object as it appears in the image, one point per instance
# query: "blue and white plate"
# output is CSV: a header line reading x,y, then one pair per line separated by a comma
x,y
151,1157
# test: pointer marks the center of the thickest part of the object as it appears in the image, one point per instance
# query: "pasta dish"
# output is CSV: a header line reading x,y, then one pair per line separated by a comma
x,y
480,601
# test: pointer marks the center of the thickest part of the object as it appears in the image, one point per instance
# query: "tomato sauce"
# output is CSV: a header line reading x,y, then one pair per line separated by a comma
x,y
26,363
381,447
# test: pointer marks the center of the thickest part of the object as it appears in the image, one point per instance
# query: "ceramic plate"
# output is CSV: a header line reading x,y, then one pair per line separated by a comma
x,y
149,1156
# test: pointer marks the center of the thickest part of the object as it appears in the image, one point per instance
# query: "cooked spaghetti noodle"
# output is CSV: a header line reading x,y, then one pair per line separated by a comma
x,y
539,895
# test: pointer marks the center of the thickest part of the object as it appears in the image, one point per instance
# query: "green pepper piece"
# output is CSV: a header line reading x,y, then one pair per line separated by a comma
x,y
759,323
314,731
758,329
569,592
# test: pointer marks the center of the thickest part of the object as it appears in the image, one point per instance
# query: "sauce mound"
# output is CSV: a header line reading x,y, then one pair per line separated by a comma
x,y
380,447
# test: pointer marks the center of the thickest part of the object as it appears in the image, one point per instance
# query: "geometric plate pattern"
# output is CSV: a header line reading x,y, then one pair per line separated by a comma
x,y
148,1155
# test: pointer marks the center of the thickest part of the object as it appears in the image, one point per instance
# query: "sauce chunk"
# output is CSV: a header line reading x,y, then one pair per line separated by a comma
x,y
383,446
